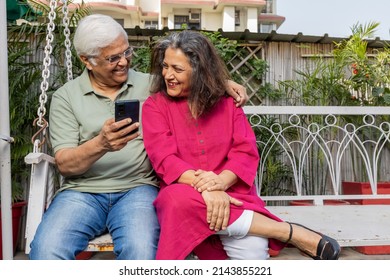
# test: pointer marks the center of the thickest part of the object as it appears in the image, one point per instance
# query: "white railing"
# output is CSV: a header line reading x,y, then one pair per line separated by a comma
x,y
344,140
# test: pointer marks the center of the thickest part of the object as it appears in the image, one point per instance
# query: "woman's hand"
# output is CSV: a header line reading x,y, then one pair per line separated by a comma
x,y
208,180
218,208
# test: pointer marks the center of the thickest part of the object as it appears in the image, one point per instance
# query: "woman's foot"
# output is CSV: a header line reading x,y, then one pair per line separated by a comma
x,y
322,247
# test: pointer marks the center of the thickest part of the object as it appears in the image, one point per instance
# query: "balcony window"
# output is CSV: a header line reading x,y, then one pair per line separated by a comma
x,y
266,27
185,21
194,17
237,17
151,24
120,21
268,8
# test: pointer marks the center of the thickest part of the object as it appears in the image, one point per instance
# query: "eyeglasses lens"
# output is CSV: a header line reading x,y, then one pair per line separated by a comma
x,y
115,58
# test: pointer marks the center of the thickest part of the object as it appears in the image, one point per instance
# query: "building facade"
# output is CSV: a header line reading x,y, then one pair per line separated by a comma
x,y
257,16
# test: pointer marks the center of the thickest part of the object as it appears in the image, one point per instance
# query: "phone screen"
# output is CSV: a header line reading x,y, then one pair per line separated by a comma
x,y
127,109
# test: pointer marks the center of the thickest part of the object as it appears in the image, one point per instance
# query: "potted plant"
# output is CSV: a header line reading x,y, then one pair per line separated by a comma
x,y
369,80
353,77
18,204
368,74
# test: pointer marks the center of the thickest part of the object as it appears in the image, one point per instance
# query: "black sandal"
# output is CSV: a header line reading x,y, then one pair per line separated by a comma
x,y
327,249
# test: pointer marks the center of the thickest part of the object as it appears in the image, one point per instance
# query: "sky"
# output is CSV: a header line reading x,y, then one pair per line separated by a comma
x,y
334,17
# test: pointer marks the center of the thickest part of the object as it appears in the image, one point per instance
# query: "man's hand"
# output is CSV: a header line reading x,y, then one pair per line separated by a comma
x,y
238,92
115,135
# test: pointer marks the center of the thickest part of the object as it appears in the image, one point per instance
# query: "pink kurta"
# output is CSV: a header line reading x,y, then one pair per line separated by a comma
x,y
176,142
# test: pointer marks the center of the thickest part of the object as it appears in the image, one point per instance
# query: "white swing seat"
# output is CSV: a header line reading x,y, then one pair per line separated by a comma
x,y
42,189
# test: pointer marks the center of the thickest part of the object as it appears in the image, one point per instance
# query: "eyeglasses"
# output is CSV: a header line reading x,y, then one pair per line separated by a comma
x,y
117,57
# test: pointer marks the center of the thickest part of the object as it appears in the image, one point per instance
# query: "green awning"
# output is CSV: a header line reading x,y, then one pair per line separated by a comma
x,y
17,9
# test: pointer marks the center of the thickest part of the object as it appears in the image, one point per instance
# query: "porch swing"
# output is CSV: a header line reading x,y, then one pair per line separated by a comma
x,y
43,175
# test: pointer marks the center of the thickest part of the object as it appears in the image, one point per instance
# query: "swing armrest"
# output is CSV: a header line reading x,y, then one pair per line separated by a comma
x,y
40,196
34,158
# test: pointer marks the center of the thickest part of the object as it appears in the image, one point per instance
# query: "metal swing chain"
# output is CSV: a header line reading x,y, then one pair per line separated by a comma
x,y
41,121
68,52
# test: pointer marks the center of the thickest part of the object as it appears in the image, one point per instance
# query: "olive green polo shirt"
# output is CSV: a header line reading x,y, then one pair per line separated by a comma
x,y
77,114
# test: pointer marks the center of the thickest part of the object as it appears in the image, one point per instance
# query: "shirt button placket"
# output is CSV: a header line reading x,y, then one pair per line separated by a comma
x,y
201,145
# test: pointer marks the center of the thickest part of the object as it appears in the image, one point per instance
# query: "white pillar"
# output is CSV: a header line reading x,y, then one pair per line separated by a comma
x,y
171,21
228,20
252,21
159,15
5,149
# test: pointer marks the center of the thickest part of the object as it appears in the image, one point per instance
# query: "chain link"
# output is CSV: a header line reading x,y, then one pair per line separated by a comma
x,y
68,52
46,63
48,49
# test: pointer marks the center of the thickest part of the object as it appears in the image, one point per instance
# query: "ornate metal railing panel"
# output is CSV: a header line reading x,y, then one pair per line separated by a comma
x,y
320,143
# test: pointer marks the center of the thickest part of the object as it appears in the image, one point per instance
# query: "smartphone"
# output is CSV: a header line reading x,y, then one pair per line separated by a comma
x,y
127,109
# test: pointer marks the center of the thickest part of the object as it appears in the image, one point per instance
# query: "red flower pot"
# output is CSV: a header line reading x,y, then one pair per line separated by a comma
x,y
17,213
310,203
365,188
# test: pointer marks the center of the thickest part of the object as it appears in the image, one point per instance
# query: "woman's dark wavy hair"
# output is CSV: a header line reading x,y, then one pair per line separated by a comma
x,y
209,72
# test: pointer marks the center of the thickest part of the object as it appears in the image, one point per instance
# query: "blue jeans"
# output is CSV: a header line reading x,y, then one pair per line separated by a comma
x,y
74,218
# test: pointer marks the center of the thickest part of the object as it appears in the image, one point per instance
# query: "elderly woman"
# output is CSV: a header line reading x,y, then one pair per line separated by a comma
x,y
109,182
204,152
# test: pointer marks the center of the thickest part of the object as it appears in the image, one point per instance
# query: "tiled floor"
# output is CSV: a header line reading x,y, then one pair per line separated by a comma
x,y
285,254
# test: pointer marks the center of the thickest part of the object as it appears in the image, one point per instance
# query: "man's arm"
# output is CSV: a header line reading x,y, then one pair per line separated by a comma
x,y
77,160
238,92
